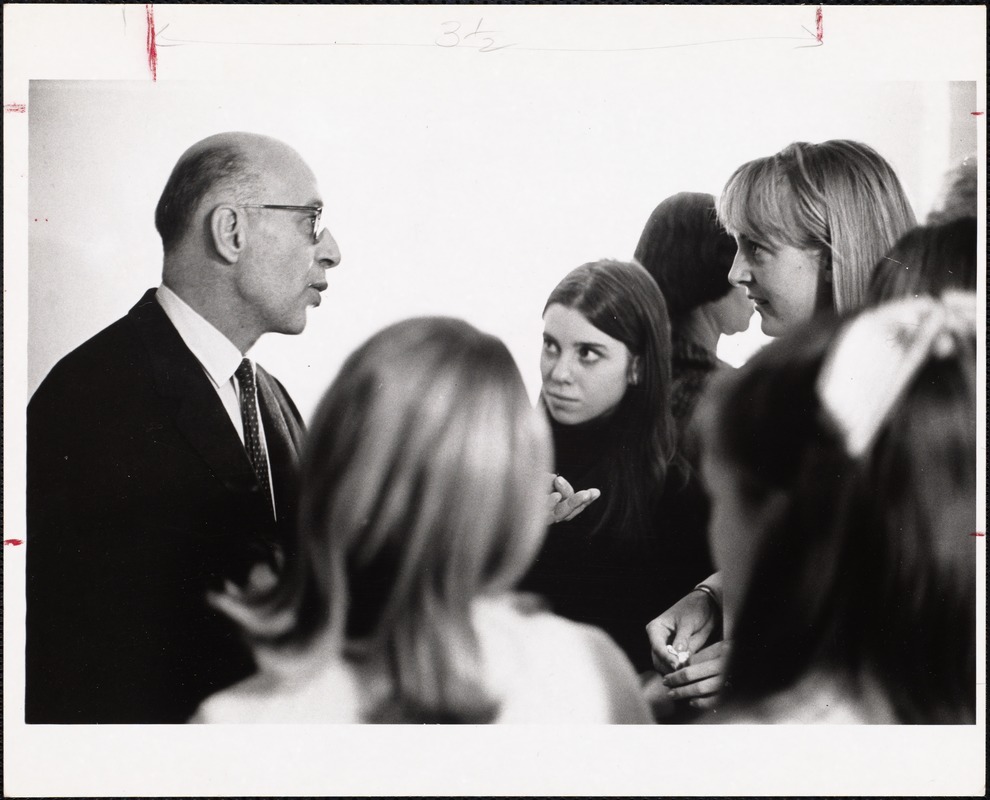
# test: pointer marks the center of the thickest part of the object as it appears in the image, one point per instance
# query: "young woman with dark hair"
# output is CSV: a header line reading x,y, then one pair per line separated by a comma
x,y
689,254
606,391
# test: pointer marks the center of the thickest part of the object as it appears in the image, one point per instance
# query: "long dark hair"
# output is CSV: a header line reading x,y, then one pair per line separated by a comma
x,y
623,301
869,567
688,253
928,260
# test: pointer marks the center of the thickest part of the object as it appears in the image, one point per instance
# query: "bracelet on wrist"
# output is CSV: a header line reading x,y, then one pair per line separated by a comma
x,y
711,595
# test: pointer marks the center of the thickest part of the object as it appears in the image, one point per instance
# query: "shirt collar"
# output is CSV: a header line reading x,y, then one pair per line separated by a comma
x,y
686,350
218,355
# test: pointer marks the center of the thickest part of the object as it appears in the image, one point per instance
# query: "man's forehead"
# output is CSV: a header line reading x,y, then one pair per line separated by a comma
x,y
289,177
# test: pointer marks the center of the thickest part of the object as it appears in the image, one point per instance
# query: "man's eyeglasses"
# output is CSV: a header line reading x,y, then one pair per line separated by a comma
x,y
316,212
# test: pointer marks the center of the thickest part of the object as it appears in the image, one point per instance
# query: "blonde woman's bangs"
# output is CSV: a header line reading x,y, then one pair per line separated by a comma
x,y
759,202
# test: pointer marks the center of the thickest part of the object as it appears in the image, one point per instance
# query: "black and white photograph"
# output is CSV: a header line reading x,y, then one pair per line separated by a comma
x,y
494,400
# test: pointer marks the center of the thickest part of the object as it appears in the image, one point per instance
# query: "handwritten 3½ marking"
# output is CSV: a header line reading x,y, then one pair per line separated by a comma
x,y
452,37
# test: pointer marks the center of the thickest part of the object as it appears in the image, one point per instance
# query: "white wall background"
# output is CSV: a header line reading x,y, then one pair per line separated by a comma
x,y
467,192
464,183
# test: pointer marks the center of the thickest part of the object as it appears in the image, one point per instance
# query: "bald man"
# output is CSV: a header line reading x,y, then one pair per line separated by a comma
x,y
162,464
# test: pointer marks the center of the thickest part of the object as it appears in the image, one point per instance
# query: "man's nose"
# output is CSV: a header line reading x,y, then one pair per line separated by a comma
x,y
327,252
740,274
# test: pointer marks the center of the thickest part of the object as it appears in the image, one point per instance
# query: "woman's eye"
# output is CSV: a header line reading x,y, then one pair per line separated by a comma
x,y
549,346
588,355
756,250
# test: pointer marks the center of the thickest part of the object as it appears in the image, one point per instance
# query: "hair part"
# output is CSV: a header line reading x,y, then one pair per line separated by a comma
x,y
839,197
687,252
623,301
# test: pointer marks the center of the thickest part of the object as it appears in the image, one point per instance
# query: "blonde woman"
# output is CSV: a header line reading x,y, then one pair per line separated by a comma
x,y
810,223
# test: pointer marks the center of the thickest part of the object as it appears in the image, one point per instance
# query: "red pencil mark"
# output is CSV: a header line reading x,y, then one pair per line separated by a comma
x,y
14,542
819,28
149,10
977,534
976,113
14,108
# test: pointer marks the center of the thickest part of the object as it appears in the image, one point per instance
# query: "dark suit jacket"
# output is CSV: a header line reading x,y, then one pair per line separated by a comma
x,y
140,498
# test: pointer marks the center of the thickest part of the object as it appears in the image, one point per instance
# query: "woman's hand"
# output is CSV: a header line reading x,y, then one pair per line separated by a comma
x,y
702,679
657,695
683,628
565,503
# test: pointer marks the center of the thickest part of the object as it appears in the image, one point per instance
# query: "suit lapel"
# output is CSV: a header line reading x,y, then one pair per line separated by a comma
x,y
200,415
283,435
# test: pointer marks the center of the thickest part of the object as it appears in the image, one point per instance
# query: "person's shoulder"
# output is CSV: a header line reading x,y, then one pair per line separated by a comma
x,y
327,695
246,701
95,363
553,669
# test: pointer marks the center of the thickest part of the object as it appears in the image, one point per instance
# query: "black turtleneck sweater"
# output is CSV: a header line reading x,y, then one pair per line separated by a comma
x,y
619,580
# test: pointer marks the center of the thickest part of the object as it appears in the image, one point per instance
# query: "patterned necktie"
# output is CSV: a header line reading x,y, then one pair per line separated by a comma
x,y
249,416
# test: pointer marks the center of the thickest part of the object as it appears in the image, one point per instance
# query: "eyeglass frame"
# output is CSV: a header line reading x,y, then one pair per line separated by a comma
x,y
316,211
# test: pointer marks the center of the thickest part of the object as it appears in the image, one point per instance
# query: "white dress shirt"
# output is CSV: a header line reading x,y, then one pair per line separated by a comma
x,y
219,359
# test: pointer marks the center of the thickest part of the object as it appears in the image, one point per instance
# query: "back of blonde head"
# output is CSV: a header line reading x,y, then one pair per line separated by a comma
x,y
421,491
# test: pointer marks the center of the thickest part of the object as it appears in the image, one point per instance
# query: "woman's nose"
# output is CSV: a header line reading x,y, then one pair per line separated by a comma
x,y
561,372
740,274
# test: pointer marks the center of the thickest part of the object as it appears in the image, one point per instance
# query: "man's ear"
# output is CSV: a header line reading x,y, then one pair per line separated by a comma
x,y
227,232
635,371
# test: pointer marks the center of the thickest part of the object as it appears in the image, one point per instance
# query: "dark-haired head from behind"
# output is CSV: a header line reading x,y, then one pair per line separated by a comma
x,y
848,553
688,253
960,193
928,260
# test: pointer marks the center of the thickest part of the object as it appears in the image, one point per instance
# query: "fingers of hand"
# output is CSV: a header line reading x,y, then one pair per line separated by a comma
x,y
561,485
702,688
695,623
704,702
659,699
713,651
580,501
659,632
694,672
